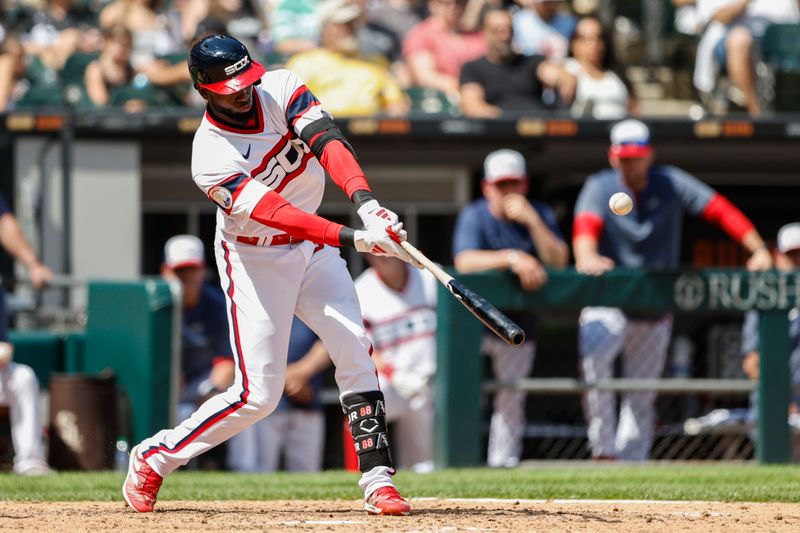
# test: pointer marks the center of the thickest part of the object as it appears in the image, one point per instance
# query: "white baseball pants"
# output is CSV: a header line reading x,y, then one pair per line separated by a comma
x,y
296,435
413,426
605,332
507,428
19,390
264,287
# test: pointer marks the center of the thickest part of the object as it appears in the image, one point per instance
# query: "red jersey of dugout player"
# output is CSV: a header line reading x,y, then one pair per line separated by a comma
x,y
648,236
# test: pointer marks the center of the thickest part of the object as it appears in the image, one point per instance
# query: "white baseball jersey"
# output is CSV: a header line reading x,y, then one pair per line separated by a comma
x,y
267,283
401,325
235,167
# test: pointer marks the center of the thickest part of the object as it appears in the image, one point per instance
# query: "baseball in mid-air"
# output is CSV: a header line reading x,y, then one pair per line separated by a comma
x,y
620,203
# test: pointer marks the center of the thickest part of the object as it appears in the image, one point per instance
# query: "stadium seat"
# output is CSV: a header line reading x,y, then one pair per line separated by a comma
x,y
780,53
425,100
151,95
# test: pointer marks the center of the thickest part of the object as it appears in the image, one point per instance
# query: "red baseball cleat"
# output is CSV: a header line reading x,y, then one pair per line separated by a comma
x,y
386,500
140,489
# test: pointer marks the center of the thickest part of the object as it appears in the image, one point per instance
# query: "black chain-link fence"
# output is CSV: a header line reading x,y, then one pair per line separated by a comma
x,y
702,410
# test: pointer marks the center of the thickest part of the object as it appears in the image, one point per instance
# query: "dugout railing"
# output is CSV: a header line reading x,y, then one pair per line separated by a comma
x,y
460,385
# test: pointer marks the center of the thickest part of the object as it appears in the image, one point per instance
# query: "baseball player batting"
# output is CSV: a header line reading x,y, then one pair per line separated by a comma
x,y
260,154
649,236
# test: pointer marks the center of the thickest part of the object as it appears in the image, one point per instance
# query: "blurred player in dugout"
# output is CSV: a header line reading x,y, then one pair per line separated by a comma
x,y
398,303
19,388
786,260
206,359
293,435
506,231
648,237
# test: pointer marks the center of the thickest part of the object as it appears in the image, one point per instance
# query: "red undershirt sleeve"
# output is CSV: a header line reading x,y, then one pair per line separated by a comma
x,y
588,224
275,211
341,164
723,213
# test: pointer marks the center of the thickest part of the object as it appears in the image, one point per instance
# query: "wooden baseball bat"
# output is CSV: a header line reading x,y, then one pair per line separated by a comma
x,y
499,323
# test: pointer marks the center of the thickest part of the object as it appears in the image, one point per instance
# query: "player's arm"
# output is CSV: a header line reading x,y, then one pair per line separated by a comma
x,y
471,255
542,228
700,199
750,345
587,229
300,372
15,243
336,155
245,199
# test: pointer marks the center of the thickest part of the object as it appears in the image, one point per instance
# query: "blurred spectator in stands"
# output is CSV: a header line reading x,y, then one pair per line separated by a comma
x,y
734,28
475,10
12,73
25,80
154,35
503,80
292,436
293,25
19,388
398,303
55,32
649,237
112,70
602,93
206,358
346,83
541,27
506,231
396,16
374,40
437,48
787,260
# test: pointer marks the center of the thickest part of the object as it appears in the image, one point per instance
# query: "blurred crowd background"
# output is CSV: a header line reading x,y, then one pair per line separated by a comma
x,y
477,58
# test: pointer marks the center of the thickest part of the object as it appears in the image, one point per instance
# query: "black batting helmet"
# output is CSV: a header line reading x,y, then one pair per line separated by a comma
x,y
223,65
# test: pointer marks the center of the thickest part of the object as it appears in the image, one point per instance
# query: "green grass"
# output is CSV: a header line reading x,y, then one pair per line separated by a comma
x,y
722,482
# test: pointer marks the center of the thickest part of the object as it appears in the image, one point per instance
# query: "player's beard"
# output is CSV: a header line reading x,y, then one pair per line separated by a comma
x,y
231,116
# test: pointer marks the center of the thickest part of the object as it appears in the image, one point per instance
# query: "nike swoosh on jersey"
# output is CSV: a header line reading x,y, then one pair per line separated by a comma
x,y
246,155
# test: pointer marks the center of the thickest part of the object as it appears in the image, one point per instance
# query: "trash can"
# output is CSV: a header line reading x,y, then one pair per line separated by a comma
x,y
83,421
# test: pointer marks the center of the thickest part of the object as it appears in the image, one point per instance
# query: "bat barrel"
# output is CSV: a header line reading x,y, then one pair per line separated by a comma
x,y
491,316
516,336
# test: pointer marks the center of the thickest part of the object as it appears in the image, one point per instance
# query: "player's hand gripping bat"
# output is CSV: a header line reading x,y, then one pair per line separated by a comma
x,y
487,313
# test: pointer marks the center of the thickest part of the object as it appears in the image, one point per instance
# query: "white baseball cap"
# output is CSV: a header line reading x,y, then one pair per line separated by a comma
x,y
789,237
338,11
629,139
184,251
503,165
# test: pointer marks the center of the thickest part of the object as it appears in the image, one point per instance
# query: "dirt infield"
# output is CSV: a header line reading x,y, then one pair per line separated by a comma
x,y
428,515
